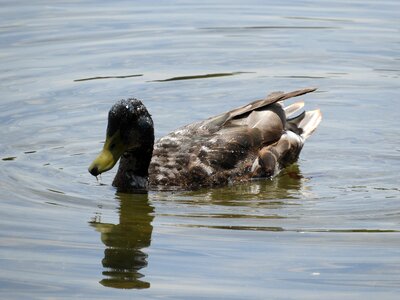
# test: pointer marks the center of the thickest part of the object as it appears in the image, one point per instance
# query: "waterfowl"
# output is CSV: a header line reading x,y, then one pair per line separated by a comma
x,y
253,141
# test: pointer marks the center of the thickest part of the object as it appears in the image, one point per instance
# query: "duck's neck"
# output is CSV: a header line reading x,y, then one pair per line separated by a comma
x,y
133,171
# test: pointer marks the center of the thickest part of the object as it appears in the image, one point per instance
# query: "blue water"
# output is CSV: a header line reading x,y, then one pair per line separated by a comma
x,y
326,228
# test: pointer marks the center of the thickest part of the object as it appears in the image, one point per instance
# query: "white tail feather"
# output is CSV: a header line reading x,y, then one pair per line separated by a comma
x,y
291,109
310,122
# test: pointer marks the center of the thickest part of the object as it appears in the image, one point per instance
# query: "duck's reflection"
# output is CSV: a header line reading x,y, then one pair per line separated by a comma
x,y
124,256
289,184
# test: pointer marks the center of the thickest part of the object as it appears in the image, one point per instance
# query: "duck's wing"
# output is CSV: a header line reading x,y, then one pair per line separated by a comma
x,y
257,139
215,123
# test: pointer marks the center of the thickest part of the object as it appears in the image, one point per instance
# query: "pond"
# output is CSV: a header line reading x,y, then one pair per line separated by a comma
x,y
328,227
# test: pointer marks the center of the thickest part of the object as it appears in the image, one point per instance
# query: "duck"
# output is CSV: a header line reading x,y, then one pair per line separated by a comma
x,y
250,142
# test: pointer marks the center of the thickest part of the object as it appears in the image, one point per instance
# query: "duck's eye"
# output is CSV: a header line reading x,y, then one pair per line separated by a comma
x,y
112,146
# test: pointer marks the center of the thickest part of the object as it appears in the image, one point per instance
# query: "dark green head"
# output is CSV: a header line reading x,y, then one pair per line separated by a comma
x,y
130,127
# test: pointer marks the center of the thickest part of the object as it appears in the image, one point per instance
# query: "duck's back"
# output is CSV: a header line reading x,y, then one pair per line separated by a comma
x,y
255,140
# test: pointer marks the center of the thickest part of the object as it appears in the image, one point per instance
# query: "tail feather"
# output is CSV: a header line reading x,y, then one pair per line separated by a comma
x,y
291,109
310,122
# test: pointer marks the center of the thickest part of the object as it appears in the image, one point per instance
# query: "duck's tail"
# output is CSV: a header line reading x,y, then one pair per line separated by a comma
x,y
305,123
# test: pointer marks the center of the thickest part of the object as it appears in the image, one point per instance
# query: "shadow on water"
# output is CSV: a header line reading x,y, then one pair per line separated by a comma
x,y
124,256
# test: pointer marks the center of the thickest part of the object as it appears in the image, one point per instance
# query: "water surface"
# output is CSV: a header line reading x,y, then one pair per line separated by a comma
x,y
327,227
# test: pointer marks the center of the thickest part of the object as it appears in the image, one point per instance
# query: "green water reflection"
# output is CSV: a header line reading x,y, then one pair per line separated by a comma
x,y
124,255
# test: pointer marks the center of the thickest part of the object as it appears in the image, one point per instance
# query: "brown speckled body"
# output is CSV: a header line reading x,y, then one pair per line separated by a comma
x,y
256,140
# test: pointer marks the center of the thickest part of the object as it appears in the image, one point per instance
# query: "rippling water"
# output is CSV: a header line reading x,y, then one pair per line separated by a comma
x,y
327,227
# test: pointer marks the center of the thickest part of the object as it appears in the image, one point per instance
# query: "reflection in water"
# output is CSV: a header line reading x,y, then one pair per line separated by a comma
x,y
124,256
262,205
287,185
200,76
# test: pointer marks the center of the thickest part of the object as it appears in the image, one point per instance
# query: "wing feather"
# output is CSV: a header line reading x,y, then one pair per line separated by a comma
x,y
216,122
